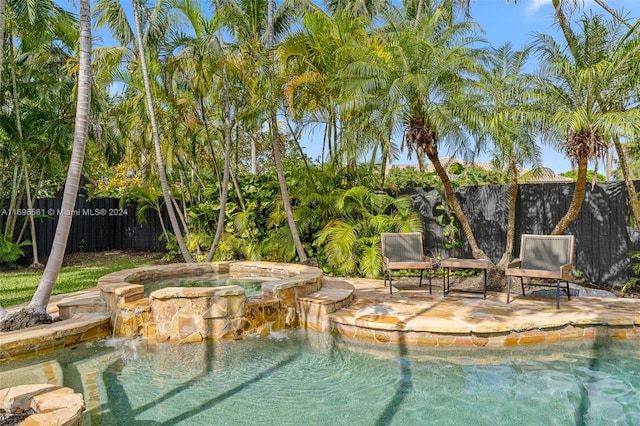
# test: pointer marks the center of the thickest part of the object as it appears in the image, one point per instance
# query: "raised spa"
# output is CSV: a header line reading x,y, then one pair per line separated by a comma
x,y
191,302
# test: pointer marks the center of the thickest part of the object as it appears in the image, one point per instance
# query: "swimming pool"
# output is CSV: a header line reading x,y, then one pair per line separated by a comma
x,y
302,377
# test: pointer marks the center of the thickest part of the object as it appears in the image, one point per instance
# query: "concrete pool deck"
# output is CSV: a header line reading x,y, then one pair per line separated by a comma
x,y
363,308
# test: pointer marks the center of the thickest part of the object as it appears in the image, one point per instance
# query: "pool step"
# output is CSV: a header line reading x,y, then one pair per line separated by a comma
x,y
81,305
314,308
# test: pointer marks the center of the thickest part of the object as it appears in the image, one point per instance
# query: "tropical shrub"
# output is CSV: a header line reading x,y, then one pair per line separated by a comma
x,y
10,252
635,267
350,241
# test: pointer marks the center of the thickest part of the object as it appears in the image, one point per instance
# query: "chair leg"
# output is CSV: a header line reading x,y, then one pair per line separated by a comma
x,y
444,288
390,286
508,288
522,285
484,285
568,293
429,273
421,271
557,294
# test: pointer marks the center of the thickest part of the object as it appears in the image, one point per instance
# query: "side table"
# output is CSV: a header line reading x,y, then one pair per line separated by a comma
x,y
454,263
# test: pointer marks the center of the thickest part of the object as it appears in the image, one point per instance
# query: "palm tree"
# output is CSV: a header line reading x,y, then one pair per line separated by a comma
x,y
166,193
582,72
42,295
255,25
422,78
507,101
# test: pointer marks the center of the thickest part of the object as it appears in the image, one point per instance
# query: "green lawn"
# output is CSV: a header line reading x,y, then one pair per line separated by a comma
x,y
18,287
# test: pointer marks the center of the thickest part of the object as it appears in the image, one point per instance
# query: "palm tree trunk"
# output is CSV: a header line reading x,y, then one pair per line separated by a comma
x,y
511,215
34,242
419,11
476,251
275,141
42,295
227,153
301,151
10,224
576,202
2,2
156,139
631,189
16,105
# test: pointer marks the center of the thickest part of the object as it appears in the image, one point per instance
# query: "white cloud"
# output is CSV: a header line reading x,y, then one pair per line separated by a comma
x,y
534,6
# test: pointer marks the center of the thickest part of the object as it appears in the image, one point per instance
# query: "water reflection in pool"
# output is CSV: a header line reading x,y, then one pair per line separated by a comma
x,y
251,285
300,377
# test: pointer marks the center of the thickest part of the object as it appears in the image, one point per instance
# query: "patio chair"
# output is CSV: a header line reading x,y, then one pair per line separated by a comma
x,y
543,256
404,250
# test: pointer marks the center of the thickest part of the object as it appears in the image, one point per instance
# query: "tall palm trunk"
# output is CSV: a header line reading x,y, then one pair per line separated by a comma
x,y
631,189
578,197
2,3
156,139
511,217
42,295
16,106
227,152
476,251
275,141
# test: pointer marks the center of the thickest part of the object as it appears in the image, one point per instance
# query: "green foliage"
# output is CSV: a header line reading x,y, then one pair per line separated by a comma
x,y
10,252
573,174
450,228
349,242
473,175
635,267
411,177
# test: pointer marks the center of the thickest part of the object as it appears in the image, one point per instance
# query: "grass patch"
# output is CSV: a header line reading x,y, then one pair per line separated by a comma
x,y
18,287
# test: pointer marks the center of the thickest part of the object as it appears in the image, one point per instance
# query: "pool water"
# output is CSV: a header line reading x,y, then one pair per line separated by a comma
x,y
306,378
251,285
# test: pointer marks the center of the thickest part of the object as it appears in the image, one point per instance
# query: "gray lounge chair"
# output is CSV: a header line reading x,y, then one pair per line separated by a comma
x,y
543,256
404,250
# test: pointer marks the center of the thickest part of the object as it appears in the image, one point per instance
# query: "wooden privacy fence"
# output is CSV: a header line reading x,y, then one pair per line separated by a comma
x,y
98,225
603,233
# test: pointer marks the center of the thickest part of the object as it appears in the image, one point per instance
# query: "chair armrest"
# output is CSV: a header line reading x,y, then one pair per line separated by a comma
x,y
515,263
565,272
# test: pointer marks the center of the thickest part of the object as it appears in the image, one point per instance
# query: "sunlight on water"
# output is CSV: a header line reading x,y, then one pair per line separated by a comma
x,y
251,284
300,377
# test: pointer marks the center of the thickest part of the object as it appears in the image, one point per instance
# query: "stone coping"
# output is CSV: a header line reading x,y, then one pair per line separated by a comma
x,y
46,338
415,317
53,405
288,275
148,273
410,310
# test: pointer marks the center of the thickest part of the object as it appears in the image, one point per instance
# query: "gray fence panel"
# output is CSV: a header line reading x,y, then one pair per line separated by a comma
x,y
604,237
97,225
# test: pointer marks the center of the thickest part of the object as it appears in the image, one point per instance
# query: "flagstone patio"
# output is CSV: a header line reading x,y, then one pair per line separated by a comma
x,y
363,308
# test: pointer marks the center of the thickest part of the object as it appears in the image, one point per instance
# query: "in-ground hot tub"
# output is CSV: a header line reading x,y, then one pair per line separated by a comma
x,y
194,313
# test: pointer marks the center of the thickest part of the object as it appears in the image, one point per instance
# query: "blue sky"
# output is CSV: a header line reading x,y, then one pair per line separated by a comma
x,y
517,23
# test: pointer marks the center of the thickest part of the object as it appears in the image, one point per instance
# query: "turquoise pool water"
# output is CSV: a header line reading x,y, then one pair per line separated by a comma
x,y
307,378
251,285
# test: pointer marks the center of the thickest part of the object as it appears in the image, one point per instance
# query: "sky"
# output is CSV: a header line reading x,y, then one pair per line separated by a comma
x,y
517,23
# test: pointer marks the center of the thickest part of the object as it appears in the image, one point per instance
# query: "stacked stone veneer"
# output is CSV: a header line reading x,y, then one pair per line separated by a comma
x,y
184,314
